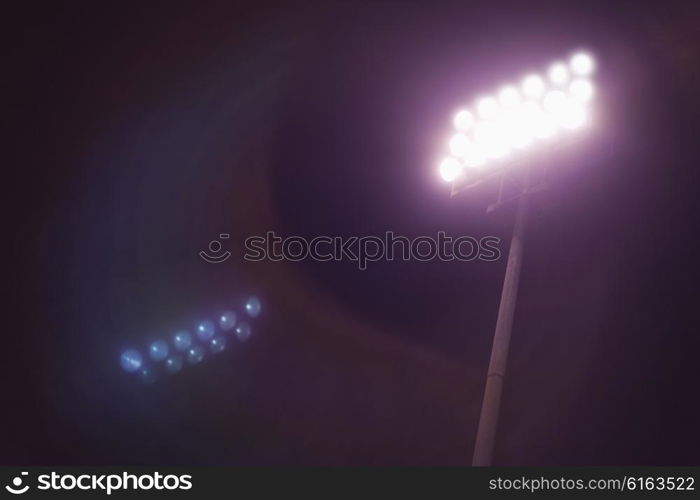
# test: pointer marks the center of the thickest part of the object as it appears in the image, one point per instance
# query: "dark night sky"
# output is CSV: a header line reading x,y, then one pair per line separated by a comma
x,y
137,134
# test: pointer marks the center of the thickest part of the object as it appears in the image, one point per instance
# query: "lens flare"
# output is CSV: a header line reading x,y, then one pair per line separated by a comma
x,y
227,321
253,307
195,354
130,360
205,330
158,350
182,340
217,344
173,364
147,375
243,331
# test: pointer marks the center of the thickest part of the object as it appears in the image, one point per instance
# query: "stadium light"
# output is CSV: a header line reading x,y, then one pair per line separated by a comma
x,y
519,116
541,108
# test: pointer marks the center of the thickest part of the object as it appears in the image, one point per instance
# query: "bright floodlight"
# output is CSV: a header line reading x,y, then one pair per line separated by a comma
x,y
574,115
487,107
566,111
533,86
474,156
450,169
515,128
542,125
463,120
554,102
490,137
558,73
519,117
509,97
459,144
581,89
582,63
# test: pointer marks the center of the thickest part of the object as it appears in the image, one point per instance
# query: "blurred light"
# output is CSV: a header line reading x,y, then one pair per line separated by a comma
x,y
227,321
450,169
554,102
515,128
253,307
516,117
195,354
485,133
542,125
558,73
182,340
474,156
581,89
205,330
217,344
582,64
490,137
158,350
545,127
173,364
533,86
565,111
130,360
458,145
487,107
147,375
191,348
509,96
463,120
243,331
574,115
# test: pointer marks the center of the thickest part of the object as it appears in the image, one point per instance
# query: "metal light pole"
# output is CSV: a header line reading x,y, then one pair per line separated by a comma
x,y
539,109
488,420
